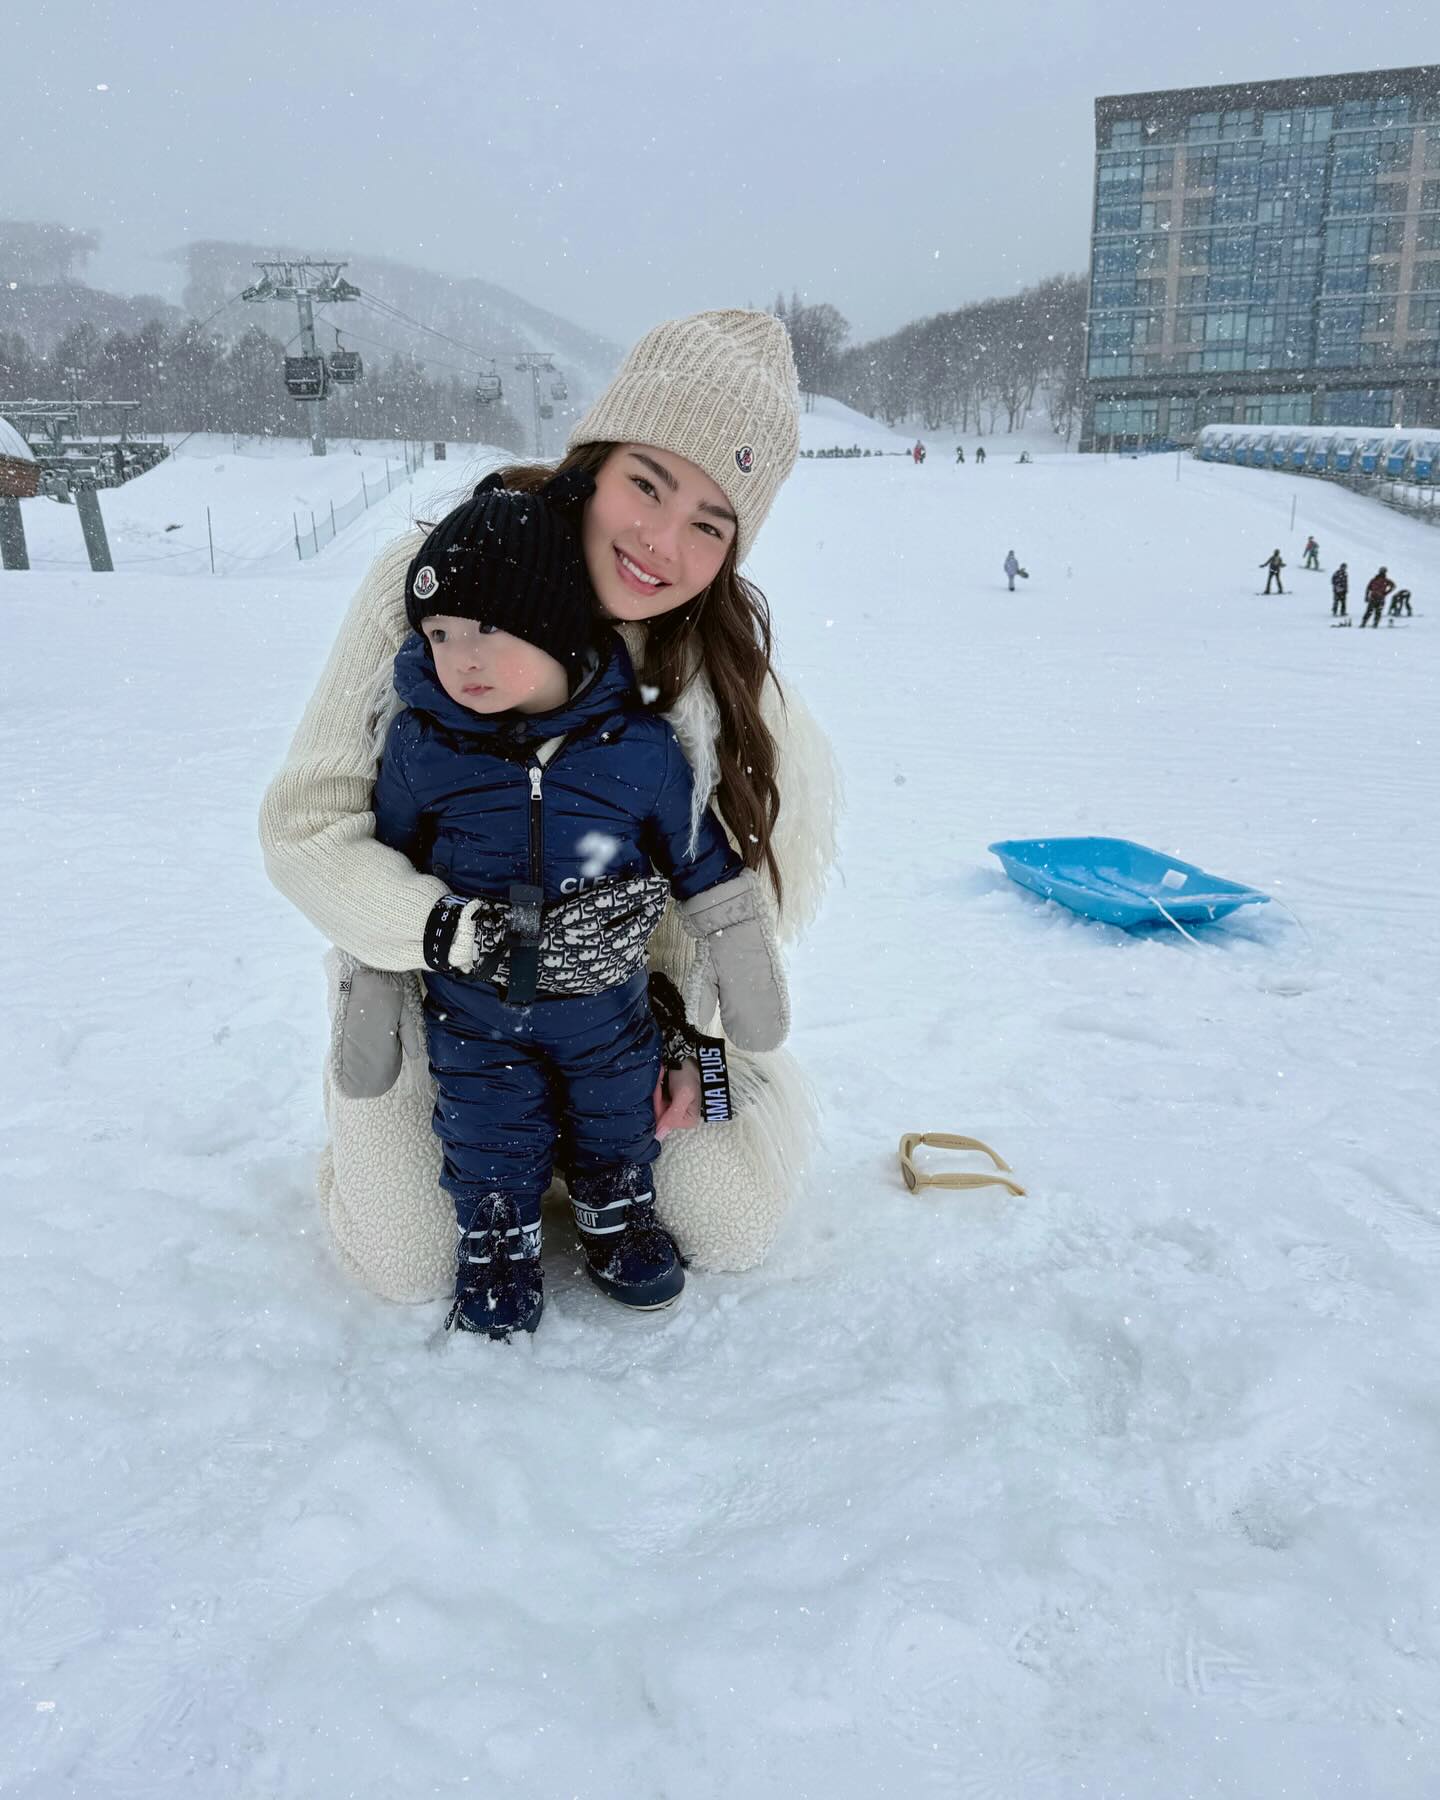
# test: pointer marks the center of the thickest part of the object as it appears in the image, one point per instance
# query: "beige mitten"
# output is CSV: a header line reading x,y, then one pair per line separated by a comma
x,y
736,946
366,1030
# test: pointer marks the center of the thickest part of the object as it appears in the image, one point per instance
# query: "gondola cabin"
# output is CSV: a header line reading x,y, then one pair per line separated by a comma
x,y
305,377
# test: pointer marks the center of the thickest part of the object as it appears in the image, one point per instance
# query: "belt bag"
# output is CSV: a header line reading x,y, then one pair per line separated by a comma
x,y
587,942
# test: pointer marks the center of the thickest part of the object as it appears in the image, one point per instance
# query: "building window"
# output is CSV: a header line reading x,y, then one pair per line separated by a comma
x,y
1122,217
1346,241
1199,170
1427,275
1278,409
1427,233
1127,418
1114,259
1430,196
1425,314
1123,133
1112,293
1363,406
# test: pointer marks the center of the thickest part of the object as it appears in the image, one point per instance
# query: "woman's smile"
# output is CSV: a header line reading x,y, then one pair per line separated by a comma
x,y
635,575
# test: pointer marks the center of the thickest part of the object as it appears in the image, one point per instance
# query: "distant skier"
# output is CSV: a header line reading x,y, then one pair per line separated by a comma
x,y
1340,588
979,453
1023,457
1312,554
959,453
1400,604
1274,564
1012,569
1376,594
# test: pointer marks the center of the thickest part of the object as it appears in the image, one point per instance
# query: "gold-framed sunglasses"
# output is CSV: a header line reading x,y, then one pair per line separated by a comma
x,y
1000,1176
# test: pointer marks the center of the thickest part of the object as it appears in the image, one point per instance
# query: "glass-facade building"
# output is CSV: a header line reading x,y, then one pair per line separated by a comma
x,y
1267,253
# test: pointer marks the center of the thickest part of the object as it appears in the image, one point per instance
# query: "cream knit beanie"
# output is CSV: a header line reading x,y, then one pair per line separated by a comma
x,y
719,389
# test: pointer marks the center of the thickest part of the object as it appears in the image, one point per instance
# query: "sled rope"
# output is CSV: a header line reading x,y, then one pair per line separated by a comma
x,y
948,1140
1160,906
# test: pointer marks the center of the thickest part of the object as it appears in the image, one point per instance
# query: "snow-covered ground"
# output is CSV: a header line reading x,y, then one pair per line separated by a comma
x,y
828,424
1124,1490
257,491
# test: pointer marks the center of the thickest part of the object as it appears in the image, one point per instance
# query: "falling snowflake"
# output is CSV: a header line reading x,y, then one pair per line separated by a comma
x,y
598,851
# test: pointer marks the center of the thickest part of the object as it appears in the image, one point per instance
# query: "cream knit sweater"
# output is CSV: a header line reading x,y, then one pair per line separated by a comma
x,y
722,1189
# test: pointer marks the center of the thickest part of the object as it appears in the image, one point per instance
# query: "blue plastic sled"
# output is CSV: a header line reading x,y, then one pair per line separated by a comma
x,y
1119,882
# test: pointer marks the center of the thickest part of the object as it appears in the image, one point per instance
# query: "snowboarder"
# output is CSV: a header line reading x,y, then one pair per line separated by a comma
x,y
918,453
1012,569
1274,564
1377,591
959,453
555,1023
1312,554
1400,604
1339,589
979,453
1023,457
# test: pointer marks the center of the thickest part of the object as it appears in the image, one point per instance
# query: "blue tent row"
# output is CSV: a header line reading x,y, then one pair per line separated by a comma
x,y
1409,453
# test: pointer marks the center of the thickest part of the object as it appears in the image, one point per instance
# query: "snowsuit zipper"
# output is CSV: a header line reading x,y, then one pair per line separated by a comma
x,y
526,900
537,826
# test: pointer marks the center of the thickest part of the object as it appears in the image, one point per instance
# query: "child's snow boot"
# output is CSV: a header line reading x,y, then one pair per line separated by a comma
x,y
499,1286
628,1254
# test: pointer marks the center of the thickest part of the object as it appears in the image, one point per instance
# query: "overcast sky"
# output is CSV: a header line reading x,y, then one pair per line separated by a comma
x,y
621,163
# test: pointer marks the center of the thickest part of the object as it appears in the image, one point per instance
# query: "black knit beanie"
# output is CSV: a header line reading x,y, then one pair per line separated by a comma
x,y
511,561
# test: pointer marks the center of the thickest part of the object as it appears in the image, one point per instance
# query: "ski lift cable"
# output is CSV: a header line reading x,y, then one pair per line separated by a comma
x,y
430,361
218,310
398,318
394,313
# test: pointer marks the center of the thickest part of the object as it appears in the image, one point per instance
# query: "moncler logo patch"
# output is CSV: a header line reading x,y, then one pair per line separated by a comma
x,y
426,583
745,459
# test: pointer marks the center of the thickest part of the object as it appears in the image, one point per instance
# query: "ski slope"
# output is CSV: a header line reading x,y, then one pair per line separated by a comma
x,y
1124,1489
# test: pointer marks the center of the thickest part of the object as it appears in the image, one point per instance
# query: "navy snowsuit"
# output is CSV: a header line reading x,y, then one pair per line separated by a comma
x,y
453,794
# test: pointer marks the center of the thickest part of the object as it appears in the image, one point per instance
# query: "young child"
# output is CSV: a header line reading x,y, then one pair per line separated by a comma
x,y
525,771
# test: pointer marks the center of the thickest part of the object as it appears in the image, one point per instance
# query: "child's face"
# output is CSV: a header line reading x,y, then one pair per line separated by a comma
x,y
489,671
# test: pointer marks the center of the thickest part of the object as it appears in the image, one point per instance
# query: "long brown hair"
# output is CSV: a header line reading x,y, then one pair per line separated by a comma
x,y
726,631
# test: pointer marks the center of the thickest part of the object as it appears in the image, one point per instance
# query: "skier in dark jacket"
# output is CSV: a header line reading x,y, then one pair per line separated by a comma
x,y
1377,592
959,453
979,453
1274,564
1400,607
1340,588
554,1031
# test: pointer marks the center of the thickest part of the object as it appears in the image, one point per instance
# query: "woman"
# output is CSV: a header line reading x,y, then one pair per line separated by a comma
x,y
688,446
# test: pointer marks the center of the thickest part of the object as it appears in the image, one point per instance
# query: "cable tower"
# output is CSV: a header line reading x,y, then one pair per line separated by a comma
x,y
310,282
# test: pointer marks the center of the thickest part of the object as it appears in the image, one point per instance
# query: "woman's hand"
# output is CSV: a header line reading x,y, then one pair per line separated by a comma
x,y
677,1099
